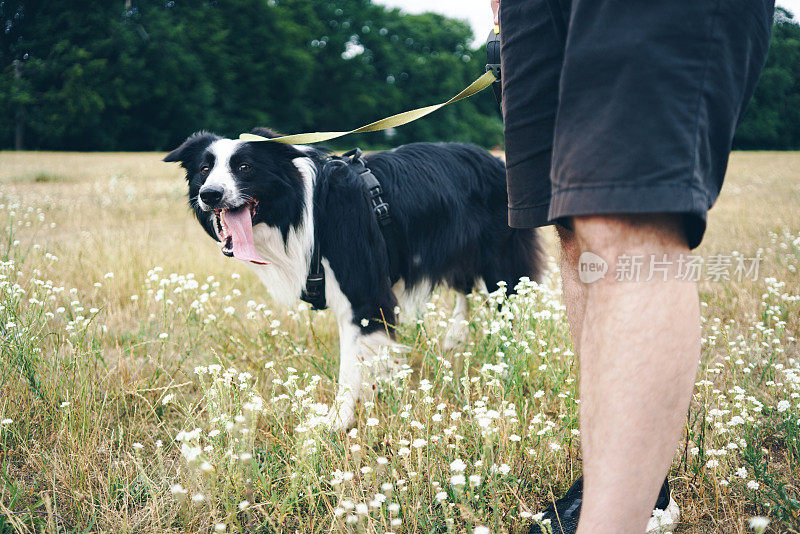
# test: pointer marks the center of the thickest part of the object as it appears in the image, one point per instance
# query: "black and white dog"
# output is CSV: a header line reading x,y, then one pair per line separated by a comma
x,y
270,204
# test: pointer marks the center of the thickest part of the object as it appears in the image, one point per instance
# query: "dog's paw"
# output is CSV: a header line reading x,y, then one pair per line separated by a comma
x,y
381,366
391,361
455,337
340,419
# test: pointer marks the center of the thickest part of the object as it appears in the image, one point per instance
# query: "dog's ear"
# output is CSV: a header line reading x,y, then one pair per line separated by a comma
x,y
269,133
191,148
265,132
284,149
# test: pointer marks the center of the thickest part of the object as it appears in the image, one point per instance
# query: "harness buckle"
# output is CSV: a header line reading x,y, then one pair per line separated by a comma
x,y
314,293
382,212
354,155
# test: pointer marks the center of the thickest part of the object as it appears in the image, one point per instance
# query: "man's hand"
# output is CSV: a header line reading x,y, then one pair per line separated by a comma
x,y
496,11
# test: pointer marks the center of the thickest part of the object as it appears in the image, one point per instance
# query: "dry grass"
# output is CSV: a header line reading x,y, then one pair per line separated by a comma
x,y
88,375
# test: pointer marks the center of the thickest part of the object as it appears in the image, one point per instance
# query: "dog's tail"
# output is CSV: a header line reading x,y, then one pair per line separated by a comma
x,y
520,255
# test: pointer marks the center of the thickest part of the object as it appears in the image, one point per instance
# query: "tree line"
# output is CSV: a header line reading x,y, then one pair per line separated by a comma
x,y
143,74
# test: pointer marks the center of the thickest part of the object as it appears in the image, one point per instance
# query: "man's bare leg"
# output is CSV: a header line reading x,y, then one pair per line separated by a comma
x,y
571,286
639,349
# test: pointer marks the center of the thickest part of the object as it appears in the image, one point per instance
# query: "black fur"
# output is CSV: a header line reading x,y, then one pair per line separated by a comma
x,y
190,155
448,202
352,242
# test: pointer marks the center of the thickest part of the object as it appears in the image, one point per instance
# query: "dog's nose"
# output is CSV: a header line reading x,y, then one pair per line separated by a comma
x,y
211,195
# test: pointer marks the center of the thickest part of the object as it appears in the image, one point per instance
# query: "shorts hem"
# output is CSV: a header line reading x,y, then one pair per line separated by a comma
x,y
634,199
529,217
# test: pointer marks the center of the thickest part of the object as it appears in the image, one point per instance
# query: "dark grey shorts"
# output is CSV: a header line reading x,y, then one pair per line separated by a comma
x,y
625,106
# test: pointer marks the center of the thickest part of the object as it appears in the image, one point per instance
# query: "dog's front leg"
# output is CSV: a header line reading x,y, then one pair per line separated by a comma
x,y
342,415
456,334
365,359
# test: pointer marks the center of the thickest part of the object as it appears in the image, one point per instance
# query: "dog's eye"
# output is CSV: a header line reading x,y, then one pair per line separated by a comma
x,y
244,167
205,169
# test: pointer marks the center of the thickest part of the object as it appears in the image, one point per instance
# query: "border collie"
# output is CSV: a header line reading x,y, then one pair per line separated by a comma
x,y
270,204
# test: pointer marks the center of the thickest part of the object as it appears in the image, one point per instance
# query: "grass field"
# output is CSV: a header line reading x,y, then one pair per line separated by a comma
x,y
149,384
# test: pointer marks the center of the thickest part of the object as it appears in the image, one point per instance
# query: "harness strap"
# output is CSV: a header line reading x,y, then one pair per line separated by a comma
x,y
380,209
314,292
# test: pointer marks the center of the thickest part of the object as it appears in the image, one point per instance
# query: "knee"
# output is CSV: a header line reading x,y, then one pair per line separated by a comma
x,y
611,235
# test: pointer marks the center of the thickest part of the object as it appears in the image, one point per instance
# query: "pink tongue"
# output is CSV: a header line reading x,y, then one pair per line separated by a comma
x,y
240,226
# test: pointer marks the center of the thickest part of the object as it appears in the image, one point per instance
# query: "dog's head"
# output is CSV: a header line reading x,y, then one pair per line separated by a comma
x,y
234,185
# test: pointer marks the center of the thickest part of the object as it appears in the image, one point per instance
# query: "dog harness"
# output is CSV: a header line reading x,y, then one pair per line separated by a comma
x,y
314,292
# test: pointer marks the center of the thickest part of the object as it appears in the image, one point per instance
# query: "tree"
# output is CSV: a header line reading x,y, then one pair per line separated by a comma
x,y
772,119
144,74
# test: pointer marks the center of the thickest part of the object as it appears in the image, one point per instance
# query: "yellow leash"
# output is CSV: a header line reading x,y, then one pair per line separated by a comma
x,y
389,122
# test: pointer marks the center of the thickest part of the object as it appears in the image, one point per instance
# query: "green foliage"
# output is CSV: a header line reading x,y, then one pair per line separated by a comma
x,y
143,74
772,119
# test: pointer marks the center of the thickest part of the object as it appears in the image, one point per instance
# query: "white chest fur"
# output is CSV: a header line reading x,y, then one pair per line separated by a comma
x,y
285,276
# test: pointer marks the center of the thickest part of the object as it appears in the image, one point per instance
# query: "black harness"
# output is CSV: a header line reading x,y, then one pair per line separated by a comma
x,y
314,292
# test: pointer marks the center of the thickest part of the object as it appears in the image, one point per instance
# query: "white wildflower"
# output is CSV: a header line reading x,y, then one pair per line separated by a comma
x,y
457,480
758,523
741,472
458,466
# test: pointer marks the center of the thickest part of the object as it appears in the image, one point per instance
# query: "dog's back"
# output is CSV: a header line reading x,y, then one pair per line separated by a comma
x,y
449,203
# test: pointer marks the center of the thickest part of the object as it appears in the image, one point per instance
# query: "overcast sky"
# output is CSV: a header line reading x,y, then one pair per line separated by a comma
x,y
479,15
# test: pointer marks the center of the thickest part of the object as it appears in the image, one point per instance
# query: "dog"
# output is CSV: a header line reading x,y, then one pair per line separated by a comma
x,y
270,204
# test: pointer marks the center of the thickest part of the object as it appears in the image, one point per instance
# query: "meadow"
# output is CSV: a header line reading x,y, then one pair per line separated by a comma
x,y
150,385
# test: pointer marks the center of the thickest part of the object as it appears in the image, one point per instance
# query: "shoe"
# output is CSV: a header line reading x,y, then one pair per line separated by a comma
x,y
564,517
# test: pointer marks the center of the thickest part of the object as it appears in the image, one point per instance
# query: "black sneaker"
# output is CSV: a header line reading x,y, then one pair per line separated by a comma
x,y
564,517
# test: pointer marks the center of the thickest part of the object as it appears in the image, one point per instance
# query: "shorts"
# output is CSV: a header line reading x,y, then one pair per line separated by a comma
x,y
625,106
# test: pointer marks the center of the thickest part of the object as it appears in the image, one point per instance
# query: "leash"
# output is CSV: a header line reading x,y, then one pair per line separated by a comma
x,y
487,79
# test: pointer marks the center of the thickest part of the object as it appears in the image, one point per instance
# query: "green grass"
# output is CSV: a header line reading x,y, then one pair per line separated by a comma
x,y
116,309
